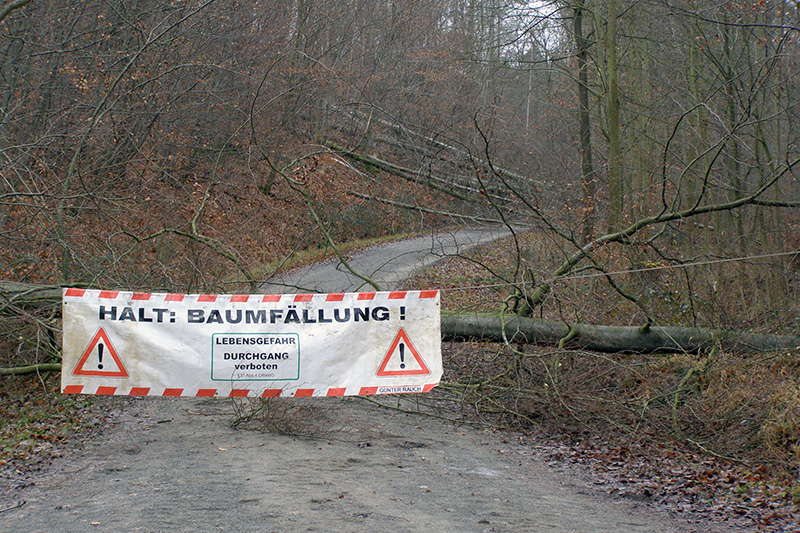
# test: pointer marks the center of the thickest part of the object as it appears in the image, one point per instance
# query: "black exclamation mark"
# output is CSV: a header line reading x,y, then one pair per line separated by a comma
x,y
402,355
100,356
402,313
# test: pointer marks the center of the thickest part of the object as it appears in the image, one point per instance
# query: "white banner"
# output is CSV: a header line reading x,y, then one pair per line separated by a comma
x,y
149,344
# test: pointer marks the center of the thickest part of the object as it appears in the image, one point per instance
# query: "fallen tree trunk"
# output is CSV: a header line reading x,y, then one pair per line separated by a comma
x,y
485,326
30,369
478,220
28,295
467,160
436,183
609,338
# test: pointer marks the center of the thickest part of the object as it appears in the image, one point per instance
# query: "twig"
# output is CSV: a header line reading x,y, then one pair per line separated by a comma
x,y
30,369
15,505
411,411
715,454
449,214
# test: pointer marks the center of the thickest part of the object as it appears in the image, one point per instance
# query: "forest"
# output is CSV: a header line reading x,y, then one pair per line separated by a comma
x,y
644,154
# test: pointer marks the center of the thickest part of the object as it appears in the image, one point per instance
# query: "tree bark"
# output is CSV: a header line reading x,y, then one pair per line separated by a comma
x,y
9,7
457,327
30,369
489,327
417,177
28,295
616,189
584,125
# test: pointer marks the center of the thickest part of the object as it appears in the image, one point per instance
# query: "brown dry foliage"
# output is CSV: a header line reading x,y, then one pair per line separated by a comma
x,y
261,231
727,425
723,442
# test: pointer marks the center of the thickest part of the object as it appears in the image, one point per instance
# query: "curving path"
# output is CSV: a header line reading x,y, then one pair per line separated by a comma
x,y
387,264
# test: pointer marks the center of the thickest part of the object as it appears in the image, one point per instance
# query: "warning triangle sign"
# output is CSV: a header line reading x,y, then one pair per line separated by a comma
x,y
100,359
402,359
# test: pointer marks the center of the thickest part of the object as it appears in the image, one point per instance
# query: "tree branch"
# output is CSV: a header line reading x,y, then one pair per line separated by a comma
x,y
7,9
30,369
542,290
479,220
495,327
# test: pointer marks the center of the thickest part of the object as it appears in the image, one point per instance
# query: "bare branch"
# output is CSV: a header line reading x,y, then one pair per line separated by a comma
x,y
10,7
30,369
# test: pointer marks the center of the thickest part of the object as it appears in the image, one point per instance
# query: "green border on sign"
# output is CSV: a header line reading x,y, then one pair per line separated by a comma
x,y
297,336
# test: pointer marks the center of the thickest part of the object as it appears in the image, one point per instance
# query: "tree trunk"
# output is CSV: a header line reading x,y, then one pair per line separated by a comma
x,y
28,295
608,338
616,189
490,327
584,126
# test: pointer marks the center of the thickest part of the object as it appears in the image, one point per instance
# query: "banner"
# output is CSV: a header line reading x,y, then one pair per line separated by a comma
x,y
289,345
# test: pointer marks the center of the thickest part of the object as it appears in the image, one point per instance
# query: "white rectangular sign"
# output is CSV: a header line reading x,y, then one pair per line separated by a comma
x,y
151,344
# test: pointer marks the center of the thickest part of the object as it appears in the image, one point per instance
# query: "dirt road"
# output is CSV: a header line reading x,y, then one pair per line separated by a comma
x,y
178,465
388,264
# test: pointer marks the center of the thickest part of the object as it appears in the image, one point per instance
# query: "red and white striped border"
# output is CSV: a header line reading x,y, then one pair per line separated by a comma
x,y
243,298
233,298
215,393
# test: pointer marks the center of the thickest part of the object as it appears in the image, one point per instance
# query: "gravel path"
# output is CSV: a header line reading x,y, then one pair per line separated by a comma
x,y
387,264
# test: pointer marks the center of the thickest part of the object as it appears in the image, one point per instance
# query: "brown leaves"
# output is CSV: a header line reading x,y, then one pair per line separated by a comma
x,y
682,481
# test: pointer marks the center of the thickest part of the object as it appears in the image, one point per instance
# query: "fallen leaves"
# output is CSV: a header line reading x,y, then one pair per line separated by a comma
x,y
683,482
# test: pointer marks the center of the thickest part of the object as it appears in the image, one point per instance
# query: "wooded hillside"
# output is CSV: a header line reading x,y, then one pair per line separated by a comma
x,y
192,146
645,154
186,145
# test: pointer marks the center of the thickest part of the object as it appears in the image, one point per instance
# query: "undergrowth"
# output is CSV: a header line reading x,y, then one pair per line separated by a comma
x,y
284,416
35,419
743,408
34,416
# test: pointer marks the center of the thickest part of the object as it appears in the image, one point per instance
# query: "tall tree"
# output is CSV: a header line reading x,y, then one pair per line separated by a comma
x,y
588,177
